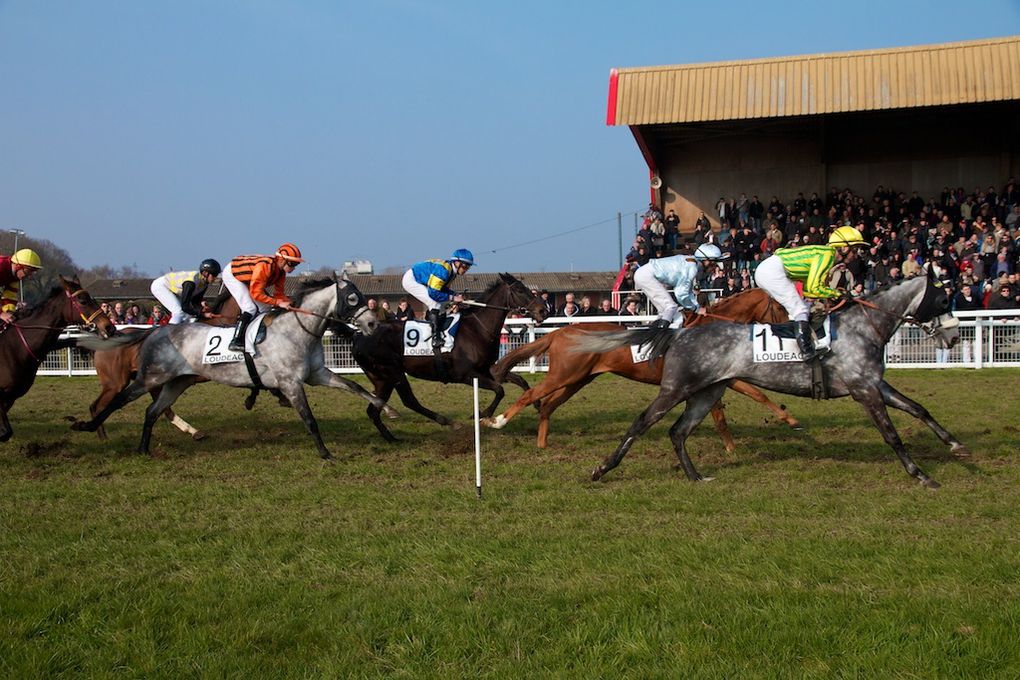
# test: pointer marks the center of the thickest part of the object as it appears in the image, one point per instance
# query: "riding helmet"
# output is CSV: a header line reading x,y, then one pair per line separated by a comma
x,y
463,255
289,251
27,257
846,236
210,266
708,251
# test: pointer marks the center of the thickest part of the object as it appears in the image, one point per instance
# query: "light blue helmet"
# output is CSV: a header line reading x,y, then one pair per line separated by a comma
x,y
463,255
708,251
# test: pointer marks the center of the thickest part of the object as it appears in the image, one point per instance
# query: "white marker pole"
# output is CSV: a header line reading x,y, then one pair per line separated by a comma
x,y
478,444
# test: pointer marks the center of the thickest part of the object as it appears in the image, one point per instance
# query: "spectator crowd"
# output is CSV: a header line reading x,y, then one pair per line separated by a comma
x,y
969,240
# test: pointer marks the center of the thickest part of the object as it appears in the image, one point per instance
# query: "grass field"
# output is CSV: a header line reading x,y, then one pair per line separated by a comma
x,y
812,554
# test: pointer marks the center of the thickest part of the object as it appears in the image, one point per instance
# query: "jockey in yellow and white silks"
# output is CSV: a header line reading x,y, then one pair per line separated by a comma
x,y
810,265
181,293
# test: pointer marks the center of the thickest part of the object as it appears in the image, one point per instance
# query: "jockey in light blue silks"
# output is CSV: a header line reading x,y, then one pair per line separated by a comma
x,y
429,282
679,273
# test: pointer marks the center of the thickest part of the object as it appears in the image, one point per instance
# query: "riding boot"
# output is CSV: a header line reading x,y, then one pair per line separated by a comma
x,y
658,324
435,319
237,342
805,339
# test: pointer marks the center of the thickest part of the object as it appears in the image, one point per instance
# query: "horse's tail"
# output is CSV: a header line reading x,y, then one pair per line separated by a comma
x,y
94,343
533,349
605,341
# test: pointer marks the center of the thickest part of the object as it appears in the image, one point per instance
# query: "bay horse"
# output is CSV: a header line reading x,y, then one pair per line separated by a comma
x,y
116,368
171,358
570,370
700,363
25,341
476,349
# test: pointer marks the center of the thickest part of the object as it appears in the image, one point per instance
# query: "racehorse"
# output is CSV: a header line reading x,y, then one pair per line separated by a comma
x,y
476,349
570,370
700,362
26,340
116,367
171,357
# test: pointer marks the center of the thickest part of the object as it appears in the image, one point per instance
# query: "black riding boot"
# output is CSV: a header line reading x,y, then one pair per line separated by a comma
x,y
805,339
435,319
237,342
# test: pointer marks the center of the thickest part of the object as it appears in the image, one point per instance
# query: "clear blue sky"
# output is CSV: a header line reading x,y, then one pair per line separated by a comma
x,y
160,133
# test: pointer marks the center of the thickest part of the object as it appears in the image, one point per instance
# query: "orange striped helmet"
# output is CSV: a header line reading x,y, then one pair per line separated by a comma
x,y
289,251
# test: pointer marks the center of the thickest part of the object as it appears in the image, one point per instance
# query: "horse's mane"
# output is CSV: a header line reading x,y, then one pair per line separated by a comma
x,y
56,290
485,295
310,286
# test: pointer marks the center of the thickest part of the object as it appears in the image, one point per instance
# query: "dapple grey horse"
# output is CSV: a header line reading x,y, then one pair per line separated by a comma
x,y
174,357
701,361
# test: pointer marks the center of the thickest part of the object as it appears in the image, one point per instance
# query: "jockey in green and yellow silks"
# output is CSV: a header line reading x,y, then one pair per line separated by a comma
x,y
810,265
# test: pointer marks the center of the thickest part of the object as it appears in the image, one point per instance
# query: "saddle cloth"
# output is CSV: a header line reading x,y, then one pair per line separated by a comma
x,y
218,338
418,336
776,343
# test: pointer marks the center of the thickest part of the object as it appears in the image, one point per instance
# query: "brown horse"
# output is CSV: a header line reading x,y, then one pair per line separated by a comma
x,y
117,367
570,370
26,340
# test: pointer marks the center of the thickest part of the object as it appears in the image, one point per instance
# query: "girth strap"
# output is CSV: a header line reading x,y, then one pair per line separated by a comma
x,y
249,363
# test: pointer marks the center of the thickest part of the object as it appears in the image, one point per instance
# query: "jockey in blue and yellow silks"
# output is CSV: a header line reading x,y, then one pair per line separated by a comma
x,y
181,293
429,283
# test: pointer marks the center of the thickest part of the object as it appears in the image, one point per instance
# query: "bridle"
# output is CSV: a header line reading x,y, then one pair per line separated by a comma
x,y
74,304
73,297
359,312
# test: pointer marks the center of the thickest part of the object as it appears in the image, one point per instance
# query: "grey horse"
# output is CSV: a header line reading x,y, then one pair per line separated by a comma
x,y
700,362
176,357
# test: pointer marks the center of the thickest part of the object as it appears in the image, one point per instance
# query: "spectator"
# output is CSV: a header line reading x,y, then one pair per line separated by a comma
x,y
606,308
404,311
159,316
117,313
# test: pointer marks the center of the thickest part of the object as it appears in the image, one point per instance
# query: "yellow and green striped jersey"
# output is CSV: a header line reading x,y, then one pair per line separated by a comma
x,y
810,265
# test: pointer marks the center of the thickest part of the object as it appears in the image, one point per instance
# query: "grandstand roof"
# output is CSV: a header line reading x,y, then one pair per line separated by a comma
x,y
872,80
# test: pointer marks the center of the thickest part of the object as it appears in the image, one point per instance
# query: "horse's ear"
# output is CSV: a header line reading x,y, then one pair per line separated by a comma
x,y
506,278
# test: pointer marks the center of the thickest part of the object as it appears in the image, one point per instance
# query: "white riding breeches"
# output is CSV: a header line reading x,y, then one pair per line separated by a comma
x,y
645,281
240,293
171,303
771,277
419,291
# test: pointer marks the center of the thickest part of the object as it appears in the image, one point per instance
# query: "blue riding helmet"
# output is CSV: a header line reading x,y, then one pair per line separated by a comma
x,y
463,255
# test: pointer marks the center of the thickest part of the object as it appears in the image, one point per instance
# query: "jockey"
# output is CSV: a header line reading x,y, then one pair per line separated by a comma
x,y
22,265
249,279
810,265
181,293
429,282
679,272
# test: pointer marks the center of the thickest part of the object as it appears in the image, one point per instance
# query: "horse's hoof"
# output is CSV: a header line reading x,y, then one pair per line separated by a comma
x,y
929,483
249,403
704,479
80,426
455,425
198,436
327,456
596,474
390,412
796,426
961,451
6,436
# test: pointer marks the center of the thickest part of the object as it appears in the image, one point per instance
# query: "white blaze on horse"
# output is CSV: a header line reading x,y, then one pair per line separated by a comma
x,y
176,357
700,362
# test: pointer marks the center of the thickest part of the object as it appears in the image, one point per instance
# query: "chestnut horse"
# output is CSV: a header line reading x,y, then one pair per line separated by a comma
x,y
570,370
116,368
26,340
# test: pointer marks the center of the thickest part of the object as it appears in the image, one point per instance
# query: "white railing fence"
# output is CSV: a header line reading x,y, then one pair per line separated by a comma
x,y
986,340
